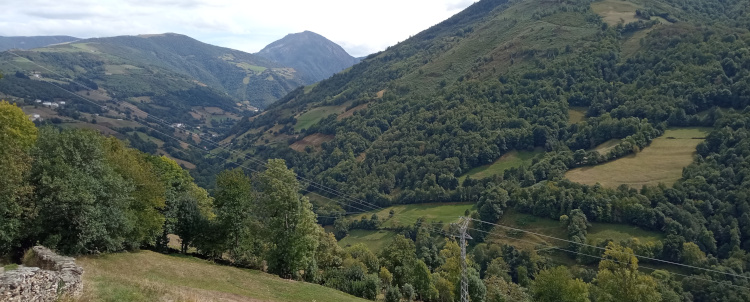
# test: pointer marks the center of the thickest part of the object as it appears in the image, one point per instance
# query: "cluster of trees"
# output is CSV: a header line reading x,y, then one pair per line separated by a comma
x,y
414,266
79,192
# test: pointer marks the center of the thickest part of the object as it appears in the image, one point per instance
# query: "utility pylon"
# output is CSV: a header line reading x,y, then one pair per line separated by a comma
x,y
463,225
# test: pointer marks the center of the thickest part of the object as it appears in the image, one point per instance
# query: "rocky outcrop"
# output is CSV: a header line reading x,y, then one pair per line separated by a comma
x,y
51,277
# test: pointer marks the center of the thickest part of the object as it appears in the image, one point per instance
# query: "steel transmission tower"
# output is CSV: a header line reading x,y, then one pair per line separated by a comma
x,y
463,225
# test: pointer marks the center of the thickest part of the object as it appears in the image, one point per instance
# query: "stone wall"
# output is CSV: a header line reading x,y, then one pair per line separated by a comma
x,y
52,277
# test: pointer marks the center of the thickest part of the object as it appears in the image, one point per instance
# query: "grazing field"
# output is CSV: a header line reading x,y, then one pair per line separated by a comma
x,y
313,116
374,240
512,159
149,276
553,228
576,114
408,214
614,11
622,232
660,162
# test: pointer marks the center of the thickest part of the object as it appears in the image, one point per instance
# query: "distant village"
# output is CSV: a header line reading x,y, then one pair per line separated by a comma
x,y
53,105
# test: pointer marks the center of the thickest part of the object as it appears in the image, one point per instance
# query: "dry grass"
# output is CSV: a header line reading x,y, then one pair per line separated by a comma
x,y
604,148
614,12
313,140
661,162
350,112
576,114
149,276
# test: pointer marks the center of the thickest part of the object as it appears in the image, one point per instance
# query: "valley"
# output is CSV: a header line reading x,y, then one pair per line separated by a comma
x,y
590,151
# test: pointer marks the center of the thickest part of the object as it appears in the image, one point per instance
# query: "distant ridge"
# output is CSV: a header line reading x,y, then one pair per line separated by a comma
x,y
32,42
312,55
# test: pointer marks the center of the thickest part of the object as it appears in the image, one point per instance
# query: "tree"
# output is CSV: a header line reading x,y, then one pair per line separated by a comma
x,y
82,202
329,254
236,216
362,253
17,136
498,268
392,294
477,289
692,254
290,224
556,284
189,222
577,228
492,203
176,183
500,290
423,282
408,292
148,195
619,279
399,258
386,278
451,268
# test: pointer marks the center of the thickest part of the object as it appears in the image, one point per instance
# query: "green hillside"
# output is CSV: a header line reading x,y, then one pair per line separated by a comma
x,y
647,98
501,76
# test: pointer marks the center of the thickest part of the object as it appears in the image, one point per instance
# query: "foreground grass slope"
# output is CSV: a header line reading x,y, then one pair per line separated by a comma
x,y
150,276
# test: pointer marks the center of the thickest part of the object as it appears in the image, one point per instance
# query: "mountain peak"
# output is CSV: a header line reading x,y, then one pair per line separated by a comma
x,y
311,54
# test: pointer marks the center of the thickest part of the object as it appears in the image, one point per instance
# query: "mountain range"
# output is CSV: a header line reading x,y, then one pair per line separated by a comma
x,y
170,76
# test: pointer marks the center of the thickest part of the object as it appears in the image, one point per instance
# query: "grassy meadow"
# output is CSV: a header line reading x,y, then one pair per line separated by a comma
x,y
313,116
660,162
512,159
374,240
615,11
551,227
408,214
150,276
404,215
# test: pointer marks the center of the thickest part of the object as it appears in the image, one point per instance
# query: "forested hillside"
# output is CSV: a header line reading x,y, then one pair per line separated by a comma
x,y
406,125
485,116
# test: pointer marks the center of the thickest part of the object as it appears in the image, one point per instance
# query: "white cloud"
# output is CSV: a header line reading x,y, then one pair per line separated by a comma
x,y
248,25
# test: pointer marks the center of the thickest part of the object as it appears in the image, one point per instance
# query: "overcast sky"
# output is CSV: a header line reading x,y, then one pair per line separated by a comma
x,y
361,27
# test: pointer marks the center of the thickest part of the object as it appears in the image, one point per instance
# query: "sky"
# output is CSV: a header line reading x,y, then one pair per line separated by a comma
x,y
359,27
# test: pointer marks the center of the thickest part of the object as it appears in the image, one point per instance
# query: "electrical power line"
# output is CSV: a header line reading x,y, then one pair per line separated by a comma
x,y
601,248
602,258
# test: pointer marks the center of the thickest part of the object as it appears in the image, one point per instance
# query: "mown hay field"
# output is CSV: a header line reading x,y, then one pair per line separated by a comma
x,y
660,162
